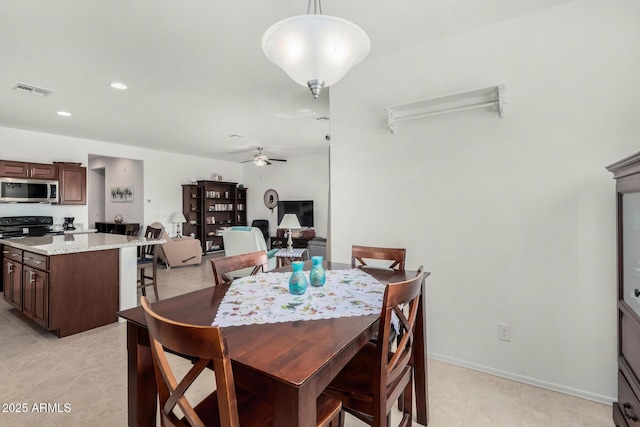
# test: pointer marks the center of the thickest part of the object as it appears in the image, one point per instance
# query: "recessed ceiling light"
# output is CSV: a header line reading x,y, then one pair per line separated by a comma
x,y
64,113
117,85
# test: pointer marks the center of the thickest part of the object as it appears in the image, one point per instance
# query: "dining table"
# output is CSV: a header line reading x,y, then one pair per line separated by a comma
x,y
287,363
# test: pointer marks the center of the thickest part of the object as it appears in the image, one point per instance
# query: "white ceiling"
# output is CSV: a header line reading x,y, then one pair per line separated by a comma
x,y
195,69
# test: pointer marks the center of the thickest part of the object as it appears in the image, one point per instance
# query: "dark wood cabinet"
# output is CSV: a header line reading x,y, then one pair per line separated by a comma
x,y
35,287
626,411
116,228
66,293
6,279
210,206
35,291
71,177
192,210
26,286
73,185
28,170
12,276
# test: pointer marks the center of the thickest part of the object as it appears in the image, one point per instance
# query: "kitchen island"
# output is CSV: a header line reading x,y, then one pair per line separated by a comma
x,y
71,283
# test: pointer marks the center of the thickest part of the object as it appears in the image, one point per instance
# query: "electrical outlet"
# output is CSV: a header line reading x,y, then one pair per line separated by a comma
x,y
504,331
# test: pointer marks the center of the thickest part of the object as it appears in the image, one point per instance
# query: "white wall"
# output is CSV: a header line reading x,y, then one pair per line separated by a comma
x,y
514,217
300,178
96,204
163,172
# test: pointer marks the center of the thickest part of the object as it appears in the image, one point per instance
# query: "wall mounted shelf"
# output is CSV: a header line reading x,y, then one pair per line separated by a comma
x,y
492,96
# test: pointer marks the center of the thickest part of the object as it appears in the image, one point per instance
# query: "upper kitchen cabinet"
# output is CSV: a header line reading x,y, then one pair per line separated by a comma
x,y
73,184
27,170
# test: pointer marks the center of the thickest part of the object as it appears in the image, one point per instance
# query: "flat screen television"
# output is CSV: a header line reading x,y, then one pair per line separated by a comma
x,y
302,208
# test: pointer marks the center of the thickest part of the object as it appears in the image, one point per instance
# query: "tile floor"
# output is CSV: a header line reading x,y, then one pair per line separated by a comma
x,y
83,379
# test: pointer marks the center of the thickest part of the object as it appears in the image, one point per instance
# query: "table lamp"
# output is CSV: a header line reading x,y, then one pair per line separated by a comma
x,y
178,218
290,221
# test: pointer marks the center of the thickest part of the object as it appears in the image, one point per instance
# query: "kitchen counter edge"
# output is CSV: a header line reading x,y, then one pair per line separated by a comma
x,y
58,246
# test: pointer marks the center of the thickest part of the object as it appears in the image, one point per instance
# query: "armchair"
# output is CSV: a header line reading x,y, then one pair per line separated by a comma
x,y
180,251
243,240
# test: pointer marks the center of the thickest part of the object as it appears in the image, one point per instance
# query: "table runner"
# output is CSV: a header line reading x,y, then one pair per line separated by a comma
x,y
265,298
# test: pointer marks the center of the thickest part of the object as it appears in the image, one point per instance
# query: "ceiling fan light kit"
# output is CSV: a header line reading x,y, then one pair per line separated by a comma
x,y
315,50
261,159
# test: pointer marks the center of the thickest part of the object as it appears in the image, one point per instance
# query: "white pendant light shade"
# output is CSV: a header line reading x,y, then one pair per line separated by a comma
x,y
315,50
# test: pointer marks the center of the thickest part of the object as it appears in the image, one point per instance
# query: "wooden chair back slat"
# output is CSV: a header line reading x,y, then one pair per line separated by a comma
x,y
401,299
382,372
146,253
149,251
223,407
222,266
207,344
360,253
406,312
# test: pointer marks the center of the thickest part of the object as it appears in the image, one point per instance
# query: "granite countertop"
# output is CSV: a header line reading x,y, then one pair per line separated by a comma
x,y
71,243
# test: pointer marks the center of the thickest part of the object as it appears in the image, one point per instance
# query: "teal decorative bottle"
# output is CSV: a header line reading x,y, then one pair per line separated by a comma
x,y
297,281
317,275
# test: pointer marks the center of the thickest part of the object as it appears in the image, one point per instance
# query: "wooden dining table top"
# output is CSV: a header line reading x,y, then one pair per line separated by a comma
x,y
273,348
298,354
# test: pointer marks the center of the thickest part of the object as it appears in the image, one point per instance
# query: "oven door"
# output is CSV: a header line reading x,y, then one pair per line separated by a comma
x,y
26,191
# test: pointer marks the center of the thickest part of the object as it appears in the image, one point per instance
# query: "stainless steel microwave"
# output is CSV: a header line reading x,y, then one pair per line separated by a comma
x,y
23,190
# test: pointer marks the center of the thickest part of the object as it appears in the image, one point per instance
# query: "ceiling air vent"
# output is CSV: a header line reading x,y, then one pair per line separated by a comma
x,y
34,90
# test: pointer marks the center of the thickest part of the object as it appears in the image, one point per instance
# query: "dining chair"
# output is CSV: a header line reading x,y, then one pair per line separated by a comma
x,y
377,376
395,255
148,258
227,405
223,266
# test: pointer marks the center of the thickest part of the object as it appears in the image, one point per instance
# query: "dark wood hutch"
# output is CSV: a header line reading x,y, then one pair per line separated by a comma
x,y
208,207
626,411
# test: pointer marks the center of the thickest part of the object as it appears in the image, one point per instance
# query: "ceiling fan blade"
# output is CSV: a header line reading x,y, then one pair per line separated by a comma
x,y
268,162
247,161
277,160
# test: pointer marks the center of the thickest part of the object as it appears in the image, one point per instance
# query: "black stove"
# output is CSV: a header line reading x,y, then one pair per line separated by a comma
x,y
26,226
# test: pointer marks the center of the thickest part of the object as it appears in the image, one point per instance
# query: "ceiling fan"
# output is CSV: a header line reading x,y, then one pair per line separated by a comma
x,y
262,159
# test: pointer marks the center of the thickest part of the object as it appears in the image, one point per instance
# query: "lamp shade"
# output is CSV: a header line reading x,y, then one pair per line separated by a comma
x,y
290,221
315,50
178,217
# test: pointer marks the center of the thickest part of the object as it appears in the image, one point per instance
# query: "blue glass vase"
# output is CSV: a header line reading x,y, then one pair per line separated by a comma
x,y
317,275
297,281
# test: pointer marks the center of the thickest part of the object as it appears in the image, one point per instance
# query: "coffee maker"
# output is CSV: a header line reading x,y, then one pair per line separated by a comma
x,y
68,223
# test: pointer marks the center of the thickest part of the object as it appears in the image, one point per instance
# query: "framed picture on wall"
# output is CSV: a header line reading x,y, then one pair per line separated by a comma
x,y
122,193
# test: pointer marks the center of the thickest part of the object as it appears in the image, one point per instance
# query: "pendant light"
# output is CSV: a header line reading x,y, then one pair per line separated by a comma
x,y
315,50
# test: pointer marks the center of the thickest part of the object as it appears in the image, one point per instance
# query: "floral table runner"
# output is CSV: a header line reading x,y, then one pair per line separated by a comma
x,y
265,298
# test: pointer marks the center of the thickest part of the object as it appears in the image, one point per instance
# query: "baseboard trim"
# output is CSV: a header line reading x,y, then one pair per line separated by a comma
x,y
607,400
